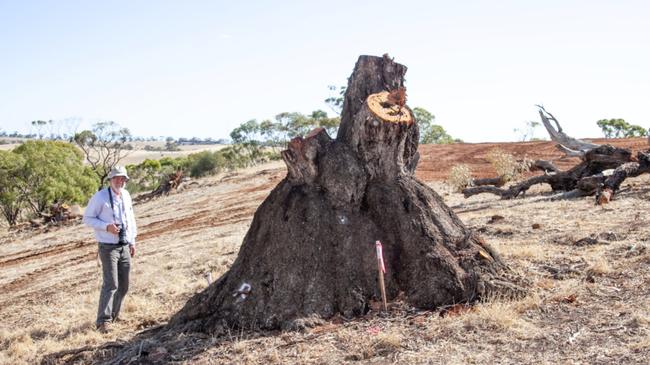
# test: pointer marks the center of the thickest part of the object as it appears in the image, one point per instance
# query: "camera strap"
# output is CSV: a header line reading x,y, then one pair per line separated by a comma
x,y
110,198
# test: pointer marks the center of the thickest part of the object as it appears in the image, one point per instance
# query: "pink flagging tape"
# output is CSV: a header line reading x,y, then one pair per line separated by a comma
x,y
380,256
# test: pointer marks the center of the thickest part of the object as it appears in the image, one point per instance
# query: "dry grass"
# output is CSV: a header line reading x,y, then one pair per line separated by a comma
x,y
505,164
587,304
600,266
459,177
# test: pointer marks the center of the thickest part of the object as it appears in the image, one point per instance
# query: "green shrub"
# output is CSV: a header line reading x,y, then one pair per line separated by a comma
x,y
39,173
204,163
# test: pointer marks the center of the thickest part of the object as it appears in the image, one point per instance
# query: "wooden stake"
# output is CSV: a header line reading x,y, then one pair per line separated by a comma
x,y
383,289
381,269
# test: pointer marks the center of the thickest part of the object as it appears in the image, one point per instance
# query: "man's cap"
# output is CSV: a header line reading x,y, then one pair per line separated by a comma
x,y
118,171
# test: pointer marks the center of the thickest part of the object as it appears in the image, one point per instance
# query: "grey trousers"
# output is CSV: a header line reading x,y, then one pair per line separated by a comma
x,y
116,263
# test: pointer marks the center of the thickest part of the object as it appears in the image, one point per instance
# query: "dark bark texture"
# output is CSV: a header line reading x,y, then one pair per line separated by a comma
x,y
601,172
310,248
587,176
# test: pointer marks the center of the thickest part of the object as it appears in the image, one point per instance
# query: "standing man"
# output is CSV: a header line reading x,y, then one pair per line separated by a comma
x,y
110,214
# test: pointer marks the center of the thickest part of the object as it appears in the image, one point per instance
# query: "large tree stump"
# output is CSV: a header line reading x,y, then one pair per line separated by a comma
x,y
310,248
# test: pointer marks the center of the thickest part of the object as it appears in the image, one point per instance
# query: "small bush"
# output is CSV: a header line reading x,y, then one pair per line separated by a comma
x,y
205,163
460,177
506,166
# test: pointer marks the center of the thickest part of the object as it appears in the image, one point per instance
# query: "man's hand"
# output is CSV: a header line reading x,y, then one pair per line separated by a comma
x,y
112,228
132,250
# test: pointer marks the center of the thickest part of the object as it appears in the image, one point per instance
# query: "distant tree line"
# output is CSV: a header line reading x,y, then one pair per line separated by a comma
x,y
619,128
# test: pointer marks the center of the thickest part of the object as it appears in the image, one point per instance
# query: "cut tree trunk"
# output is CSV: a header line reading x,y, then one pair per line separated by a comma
x,y
310,250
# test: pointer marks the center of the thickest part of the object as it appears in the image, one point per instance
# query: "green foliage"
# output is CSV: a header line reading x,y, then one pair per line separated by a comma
x,y
319,118
11,178
149,174
246,132
40,173
619,128
204,163
430,133
54,172
144,176
285,127
174,164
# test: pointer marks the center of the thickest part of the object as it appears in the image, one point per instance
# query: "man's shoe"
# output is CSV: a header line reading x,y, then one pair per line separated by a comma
x,y
103,327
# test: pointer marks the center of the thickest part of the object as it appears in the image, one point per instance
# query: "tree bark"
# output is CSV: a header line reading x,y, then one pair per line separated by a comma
x,y
585,176
310,248
629,169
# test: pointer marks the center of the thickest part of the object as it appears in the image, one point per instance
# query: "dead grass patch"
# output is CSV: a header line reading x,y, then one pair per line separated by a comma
x,y
50,314
599,266
497,315
459,177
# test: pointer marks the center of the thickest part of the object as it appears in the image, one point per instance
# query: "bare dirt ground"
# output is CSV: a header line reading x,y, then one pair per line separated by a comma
x,y
589,269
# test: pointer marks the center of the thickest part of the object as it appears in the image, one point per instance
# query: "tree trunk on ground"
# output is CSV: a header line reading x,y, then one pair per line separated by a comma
x,y
310,248
631,169
590,170
172,182
587,178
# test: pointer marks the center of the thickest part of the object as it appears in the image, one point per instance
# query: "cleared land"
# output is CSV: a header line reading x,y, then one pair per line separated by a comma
x,y
588,267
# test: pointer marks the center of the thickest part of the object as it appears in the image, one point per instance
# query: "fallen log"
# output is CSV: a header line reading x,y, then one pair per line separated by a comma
x,y
591,176
596,161
624,171
172,182
544,166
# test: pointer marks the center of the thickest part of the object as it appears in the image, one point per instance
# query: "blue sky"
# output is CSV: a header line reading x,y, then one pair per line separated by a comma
x,y
200,68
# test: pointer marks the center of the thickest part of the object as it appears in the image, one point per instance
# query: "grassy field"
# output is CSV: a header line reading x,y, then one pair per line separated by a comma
x,y
589,269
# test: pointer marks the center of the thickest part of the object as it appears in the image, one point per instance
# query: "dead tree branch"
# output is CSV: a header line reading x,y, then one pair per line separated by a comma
x,y
557,135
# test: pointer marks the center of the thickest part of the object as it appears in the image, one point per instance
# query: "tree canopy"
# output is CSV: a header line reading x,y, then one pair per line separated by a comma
x,y
430,133
619,128
39,173
286,126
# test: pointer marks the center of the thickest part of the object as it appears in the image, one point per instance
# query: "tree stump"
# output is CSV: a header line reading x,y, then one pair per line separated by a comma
x,y
310,249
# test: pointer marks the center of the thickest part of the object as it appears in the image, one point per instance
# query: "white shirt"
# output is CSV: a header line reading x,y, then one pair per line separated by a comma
x,y
98,215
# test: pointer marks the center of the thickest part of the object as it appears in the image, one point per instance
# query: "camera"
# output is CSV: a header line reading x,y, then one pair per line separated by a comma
x,y
122,235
